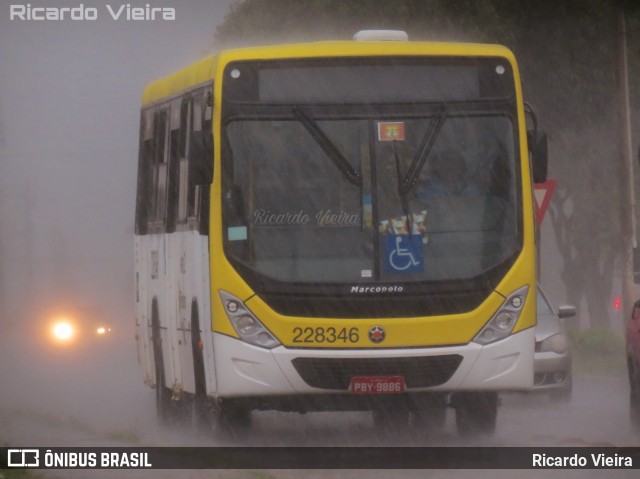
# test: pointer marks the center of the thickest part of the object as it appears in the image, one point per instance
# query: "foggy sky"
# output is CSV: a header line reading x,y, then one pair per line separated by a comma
x,y
69,113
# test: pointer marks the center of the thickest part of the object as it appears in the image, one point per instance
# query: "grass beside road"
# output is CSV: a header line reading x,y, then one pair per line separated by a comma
x,y
74,424
597,352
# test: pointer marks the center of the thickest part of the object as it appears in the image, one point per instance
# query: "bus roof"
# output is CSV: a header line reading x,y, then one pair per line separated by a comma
x,y
204,70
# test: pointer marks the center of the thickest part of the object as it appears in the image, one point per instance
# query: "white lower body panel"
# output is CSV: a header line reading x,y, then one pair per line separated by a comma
x,y
245,370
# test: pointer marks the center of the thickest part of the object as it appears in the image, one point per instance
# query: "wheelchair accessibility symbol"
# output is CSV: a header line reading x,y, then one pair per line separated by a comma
x,y
403,254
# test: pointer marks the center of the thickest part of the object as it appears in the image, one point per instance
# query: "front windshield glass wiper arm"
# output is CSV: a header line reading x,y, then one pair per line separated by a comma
x,y
328,147
403,196
429,138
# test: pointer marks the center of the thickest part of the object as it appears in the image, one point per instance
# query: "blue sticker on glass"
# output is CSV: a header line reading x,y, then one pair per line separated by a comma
x,y
403,254
237,233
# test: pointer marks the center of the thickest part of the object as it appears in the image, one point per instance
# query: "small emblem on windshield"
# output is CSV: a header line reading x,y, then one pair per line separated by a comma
x,y
377,334
391,131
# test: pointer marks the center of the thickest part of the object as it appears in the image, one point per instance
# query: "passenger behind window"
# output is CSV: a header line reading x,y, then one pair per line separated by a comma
x,y
450,195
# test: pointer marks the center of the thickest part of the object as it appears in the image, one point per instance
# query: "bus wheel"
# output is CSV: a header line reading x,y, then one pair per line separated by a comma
x,y
163,394
476,412
223,417
201,401
391,421
233,418
163,404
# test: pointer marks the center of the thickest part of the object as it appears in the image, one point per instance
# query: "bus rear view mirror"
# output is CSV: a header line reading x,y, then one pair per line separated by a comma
x,y
538,150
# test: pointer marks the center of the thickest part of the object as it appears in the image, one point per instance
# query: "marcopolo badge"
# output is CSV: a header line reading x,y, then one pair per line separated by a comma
x,y
377,334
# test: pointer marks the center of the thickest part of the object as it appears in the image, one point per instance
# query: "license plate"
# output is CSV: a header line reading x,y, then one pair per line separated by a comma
x,y
377,385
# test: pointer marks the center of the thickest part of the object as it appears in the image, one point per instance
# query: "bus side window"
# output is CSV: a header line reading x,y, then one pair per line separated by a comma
x,y
177,153
158,169
146,154
200,164
182,152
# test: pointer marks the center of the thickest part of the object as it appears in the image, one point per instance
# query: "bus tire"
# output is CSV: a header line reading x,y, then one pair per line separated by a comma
x,y
202,406
233,418
223,418
476,412
162,393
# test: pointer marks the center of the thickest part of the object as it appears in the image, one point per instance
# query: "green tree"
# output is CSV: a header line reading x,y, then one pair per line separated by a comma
x,y
567,57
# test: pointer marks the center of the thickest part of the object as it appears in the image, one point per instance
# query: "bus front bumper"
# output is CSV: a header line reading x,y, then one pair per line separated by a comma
x,y
244,370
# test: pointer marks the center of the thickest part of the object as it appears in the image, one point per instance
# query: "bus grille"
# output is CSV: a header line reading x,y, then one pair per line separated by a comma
x,y
336,373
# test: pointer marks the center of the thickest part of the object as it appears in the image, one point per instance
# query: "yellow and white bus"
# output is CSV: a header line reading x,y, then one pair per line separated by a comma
x,y
337,226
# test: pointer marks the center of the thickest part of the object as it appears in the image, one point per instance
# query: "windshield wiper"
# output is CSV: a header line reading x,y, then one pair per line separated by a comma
x,y
429,138
403,196
328,147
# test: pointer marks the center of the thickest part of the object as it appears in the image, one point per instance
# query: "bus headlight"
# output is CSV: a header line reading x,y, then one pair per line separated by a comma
x,y
502,323
248,327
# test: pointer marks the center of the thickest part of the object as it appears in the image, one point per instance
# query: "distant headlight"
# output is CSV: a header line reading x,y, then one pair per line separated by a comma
x,y
556,343
63,331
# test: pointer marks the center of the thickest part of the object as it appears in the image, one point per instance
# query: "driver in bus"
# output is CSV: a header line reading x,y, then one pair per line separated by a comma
x,y
449,194
446,177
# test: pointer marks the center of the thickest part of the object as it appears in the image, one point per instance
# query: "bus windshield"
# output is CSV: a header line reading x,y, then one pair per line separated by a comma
x,y
314,193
